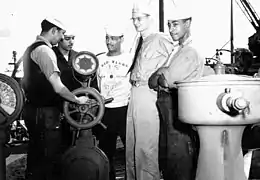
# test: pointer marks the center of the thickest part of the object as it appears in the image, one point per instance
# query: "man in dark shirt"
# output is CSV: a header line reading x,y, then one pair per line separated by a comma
x,y
65,56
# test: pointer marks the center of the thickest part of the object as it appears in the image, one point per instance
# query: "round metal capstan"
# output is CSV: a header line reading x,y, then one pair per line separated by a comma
x,y
85,64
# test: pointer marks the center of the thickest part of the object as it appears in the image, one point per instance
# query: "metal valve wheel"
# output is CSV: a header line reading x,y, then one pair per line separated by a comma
x,y
11,100
88,115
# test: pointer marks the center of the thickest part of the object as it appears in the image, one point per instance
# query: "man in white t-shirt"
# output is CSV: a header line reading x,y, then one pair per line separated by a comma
x,y
113,82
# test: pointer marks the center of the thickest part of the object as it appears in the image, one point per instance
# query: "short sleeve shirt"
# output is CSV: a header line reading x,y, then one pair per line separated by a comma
x,y
113,78
45,58
154,53
185,64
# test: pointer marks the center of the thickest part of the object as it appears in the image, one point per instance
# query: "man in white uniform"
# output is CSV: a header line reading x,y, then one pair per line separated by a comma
x,y
113,81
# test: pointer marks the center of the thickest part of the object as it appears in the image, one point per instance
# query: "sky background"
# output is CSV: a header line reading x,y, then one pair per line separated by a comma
x,y
20,23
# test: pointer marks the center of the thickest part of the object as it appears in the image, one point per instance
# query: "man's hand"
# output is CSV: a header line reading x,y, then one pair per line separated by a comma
x,y
162,81
153,81
82,99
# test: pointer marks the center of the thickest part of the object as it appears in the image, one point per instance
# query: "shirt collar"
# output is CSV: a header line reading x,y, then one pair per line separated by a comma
x,y
186,42
41,38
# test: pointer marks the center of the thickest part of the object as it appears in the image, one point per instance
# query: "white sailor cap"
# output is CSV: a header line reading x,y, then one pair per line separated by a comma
x,y
114,30
69,32
180,12
141,7
55,22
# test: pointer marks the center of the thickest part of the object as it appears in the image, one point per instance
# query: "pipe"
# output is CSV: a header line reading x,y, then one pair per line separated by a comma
x,y
232,34
161,16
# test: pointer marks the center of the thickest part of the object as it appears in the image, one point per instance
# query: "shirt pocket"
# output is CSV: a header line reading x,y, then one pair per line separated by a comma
x,y
152,61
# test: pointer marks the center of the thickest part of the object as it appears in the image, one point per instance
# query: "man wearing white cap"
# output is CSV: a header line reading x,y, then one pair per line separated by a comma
x,y
42,87
142,116
65,54
113,81
186,64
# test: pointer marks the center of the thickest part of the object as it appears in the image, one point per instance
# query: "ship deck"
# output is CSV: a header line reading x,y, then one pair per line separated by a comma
x,y
16,164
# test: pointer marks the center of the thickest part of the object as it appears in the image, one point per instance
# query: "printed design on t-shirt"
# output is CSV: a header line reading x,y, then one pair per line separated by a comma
x,y
112,72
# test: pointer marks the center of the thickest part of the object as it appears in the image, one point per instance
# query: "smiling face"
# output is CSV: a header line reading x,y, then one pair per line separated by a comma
x,y
178,28
114,43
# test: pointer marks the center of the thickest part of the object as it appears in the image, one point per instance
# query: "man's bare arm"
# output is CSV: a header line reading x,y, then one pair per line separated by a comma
x,y
62,90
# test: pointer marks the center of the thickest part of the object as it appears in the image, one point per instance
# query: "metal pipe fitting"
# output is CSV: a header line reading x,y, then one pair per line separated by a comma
x,y
232,103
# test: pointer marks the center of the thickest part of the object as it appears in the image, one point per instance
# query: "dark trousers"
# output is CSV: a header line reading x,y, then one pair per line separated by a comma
x,y
44,141
68,135
115,120
178,142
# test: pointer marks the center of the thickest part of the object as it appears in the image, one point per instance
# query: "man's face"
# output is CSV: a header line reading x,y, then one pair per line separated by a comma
x,y
67,42
113,43
141,21
178,28
58,34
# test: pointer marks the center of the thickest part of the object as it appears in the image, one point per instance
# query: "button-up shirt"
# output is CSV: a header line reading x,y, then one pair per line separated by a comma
x,y
185,64
154,53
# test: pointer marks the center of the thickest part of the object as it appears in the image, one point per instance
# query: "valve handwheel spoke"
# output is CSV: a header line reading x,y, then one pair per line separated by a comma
x,y
81,119
91,115
73,111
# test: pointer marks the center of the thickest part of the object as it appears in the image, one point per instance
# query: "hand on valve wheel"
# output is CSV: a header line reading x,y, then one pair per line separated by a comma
x,y
82,99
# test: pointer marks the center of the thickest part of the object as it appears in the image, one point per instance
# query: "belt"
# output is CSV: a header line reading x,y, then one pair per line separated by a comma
x,y
138,83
